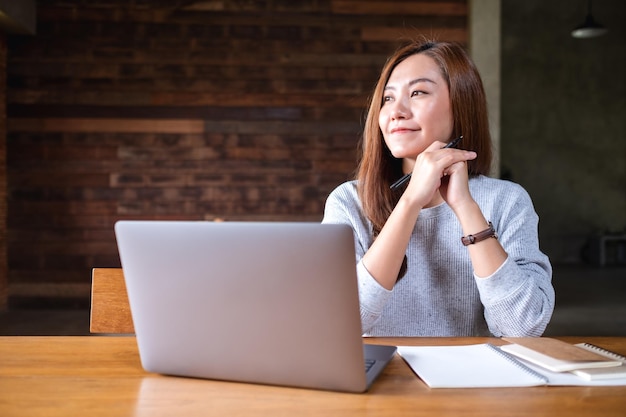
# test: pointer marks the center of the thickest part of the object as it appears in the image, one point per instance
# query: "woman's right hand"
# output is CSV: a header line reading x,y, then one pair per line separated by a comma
x,y
430,167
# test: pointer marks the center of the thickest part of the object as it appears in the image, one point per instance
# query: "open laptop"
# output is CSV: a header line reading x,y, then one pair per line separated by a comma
x,y
260,302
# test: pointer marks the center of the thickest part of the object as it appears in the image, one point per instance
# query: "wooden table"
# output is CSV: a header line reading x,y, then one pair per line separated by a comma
x,y
92,376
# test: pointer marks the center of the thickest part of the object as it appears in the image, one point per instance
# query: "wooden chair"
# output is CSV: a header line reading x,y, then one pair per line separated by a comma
x,y
110,309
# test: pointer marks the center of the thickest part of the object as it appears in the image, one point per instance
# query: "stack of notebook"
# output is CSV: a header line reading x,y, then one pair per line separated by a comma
x,y
585,360
524,362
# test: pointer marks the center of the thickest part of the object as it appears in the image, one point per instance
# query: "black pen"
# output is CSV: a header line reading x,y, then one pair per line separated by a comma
x,y
407,177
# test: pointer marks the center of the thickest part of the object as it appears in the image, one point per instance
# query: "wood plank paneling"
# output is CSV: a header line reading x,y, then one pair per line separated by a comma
x,y
106,125
427,8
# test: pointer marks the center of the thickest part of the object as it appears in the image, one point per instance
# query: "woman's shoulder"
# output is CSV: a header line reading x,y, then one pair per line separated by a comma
x,y
497,195
343,206
492,186
345,191
344,198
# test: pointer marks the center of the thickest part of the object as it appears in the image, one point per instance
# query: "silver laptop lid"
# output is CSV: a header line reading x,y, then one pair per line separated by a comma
x,y
272,303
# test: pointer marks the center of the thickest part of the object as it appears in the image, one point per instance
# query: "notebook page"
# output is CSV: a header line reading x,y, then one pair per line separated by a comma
x,y
468,366
570,379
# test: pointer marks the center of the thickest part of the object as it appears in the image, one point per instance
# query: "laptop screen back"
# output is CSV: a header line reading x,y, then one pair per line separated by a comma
x,y
272,303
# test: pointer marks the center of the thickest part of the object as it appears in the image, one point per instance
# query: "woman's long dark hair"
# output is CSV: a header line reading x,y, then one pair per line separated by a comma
x,y
378,168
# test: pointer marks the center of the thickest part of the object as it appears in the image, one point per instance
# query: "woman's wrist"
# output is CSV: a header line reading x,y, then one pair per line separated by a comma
x,y
408,202
465,209
471,218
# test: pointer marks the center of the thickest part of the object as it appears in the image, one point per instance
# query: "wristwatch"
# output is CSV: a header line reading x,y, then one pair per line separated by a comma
x,y
480,236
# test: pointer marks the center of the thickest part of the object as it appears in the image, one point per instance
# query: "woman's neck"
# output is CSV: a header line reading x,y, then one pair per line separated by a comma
x,y
435,201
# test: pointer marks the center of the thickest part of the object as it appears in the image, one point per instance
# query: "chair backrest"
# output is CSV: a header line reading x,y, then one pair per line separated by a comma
x,y
110,309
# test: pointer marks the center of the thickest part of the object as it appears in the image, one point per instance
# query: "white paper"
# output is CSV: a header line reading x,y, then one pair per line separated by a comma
x,y
485,366
468,366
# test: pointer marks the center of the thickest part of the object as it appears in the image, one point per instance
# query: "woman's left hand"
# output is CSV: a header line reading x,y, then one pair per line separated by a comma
x,y
454,187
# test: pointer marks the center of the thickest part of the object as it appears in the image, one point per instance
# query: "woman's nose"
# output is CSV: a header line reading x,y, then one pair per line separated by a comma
x,y
399,110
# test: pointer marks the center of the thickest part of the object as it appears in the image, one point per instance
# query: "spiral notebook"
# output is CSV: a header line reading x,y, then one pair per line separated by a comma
x,y
488,366
556,355
469,366
594,374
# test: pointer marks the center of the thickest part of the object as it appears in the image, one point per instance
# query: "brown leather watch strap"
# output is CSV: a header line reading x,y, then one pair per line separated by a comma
x,y
485,234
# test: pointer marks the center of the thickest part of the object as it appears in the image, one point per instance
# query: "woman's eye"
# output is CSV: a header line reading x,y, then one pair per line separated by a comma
x,y
387,99
417,93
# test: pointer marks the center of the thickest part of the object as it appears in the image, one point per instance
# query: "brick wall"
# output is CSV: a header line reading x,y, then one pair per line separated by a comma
x,y
139,109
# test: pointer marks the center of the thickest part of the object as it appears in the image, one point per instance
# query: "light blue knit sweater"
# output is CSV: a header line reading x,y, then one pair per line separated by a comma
x,y
440,295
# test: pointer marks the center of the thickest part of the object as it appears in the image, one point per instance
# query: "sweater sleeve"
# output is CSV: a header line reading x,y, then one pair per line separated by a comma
x,y
342,207
518,298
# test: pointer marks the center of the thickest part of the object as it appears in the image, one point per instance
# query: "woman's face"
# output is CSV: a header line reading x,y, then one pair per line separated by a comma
x,y
416,109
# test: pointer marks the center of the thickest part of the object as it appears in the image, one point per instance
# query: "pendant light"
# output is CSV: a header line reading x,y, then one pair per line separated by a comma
x,y
590,28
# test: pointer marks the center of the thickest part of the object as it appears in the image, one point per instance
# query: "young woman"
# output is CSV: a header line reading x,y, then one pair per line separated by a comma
x,y
417,276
